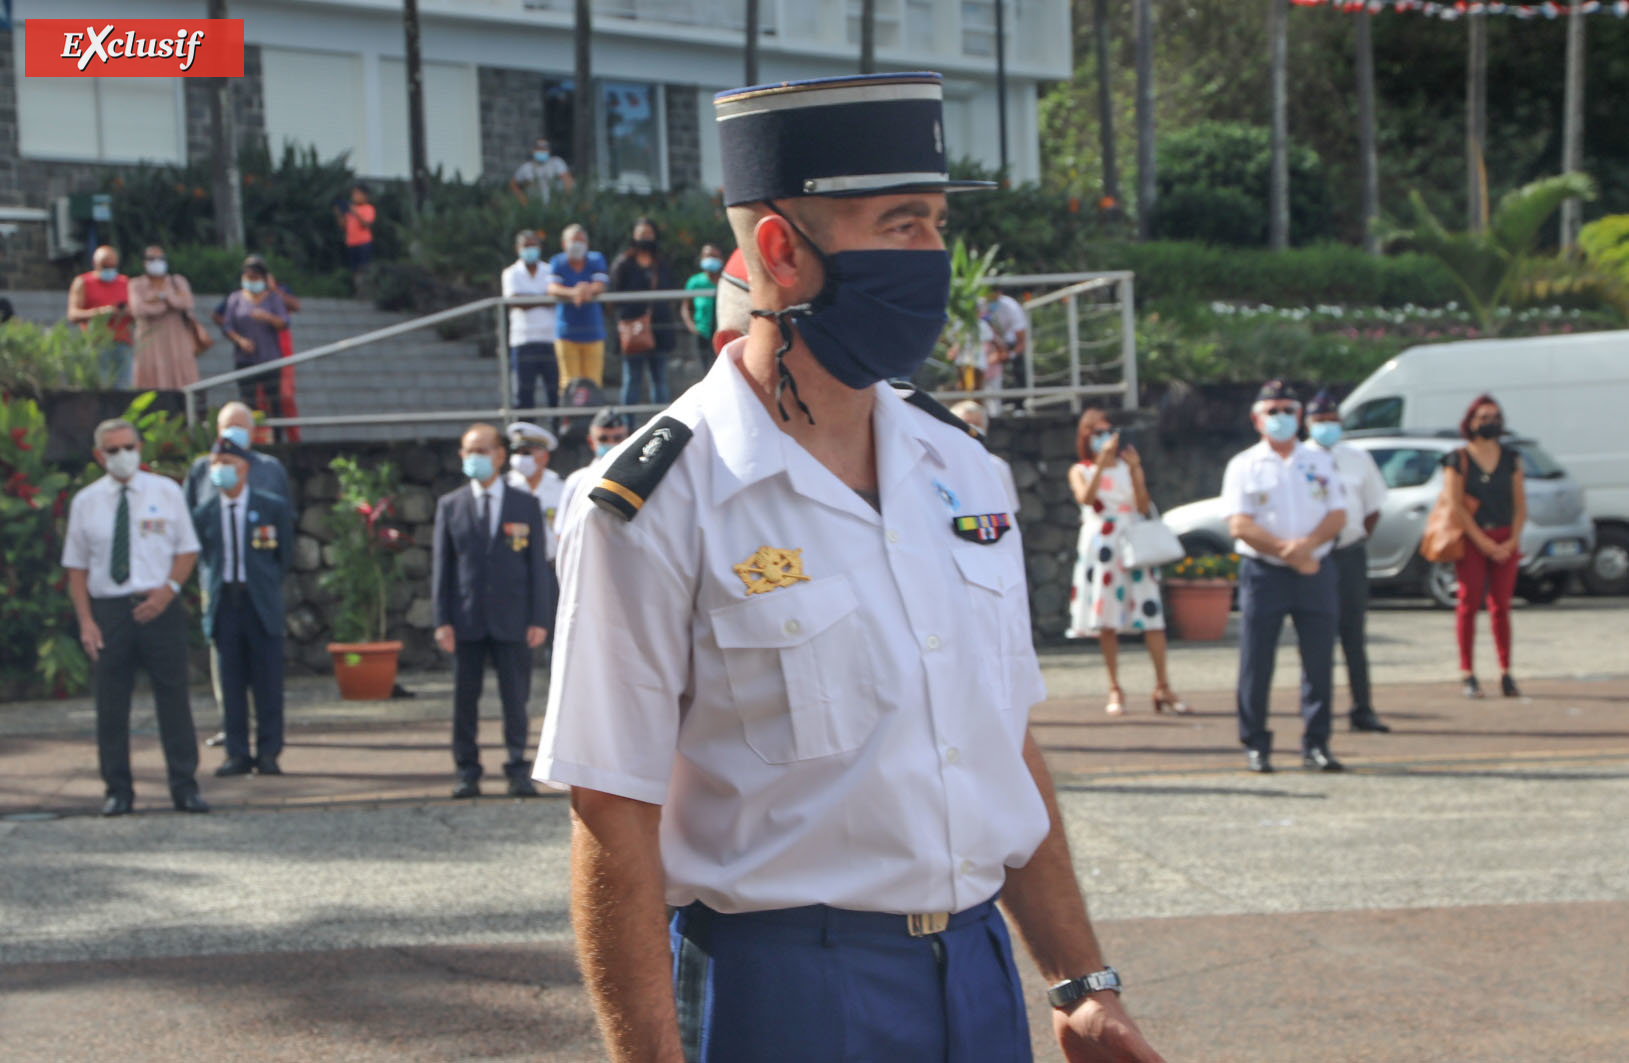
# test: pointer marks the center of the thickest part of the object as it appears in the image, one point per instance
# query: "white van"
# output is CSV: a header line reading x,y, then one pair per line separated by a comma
x,y
1570,393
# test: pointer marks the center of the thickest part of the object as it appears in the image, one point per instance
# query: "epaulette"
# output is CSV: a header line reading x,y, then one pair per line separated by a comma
x,y
640,467
933,407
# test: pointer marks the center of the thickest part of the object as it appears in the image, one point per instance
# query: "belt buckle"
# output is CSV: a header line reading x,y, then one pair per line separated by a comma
x,y
924,923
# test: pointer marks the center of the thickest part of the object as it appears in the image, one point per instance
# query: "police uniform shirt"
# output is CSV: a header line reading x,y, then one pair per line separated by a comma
x,y
1365,489
1287,498
160,528
548,492
852,733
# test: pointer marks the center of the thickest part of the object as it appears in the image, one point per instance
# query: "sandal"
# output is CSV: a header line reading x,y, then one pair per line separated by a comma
x,y
1116,705
1165,700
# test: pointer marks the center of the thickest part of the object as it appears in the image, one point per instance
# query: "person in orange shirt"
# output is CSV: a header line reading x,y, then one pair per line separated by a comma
x,y
103,294
356,219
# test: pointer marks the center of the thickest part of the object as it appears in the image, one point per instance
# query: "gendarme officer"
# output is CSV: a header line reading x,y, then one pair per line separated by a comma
x,y
794,672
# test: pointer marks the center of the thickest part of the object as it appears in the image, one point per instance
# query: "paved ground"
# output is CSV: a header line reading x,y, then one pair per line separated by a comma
x,y
1462,895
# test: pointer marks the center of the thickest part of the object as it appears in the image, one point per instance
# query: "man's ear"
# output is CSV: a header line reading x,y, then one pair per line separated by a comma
x,y
778,249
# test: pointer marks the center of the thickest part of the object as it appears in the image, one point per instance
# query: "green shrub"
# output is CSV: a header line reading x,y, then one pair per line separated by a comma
x,y
1214,178
34,360
217,269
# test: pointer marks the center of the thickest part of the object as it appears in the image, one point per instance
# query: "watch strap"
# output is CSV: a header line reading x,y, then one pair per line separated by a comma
x,y
1066,994
175,588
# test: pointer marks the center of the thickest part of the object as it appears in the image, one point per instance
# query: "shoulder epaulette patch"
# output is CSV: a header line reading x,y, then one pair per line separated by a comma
x,y
933,407
639,468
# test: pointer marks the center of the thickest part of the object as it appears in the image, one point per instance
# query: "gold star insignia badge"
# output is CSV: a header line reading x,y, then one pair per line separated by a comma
x,y
770,569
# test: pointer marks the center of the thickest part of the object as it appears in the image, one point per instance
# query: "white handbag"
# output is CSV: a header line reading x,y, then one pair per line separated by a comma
x,y
1150,543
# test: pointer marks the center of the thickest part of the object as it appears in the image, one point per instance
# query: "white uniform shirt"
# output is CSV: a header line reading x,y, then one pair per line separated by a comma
x,y
160,528
1285,497
1365,489
548,491
576,485
534,325
495,489
1004,471
852,739
227,551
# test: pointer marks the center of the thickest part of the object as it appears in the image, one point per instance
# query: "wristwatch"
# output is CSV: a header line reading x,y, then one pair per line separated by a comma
x,y
1068,994
175,588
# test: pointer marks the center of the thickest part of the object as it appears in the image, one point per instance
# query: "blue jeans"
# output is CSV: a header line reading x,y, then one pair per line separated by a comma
x,y
530,362
119,363
632,367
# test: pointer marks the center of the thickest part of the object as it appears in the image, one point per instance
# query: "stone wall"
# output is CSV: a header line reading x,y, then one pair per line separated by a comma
x,y
684,133
511,103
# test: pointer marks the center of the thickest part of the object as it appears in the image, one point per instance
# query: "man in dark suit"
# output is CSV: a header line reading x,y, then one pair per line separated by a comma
x,y
246,546
493,590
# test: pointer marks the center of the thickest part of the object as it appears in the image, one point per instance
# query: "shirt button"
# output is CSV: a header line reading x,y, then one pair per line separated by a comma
x,y
933,643
893,536
967,867
953,755
791,627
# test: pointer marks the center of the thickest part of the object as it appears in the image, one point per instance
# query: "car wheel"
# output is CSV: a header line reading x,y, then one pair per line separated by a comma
x,y
1608,571
1441,585
1542,590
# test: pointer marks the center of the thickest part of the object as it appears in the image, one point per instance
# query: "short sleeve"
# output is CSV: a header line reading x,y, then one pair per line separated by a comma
x,y
1374,485
596,264
76,547
508,281
1234,502
1337,488
183,536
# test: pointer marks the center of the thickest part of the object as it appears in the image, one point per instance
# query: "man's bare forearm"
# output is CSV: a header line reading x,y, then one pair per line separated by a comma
x,y
1044,898
1255,536
620,917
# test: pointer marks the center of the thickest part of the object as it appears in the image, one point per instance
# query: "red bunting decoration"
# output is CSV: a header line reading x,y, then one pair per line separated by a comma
x,y
1431,9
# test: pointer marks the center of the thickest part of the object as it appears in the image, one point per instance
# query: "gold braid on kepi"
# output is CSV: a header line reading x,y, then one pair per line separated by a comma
x,y
640,467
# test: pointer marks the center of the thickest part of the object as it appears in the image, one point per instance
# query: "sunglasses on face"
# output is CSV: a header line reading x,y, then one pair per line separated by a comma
x,y
110,451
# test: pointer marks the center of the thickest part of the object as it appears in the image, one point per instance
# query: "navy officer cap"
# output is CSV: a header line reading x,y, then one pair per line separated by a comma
x,y
1323,402
870,135
1277,391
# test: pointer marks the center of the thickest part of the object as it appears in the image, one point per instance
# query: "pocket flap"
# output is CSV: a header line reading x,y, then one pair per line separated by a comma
x,y
984,566
783,618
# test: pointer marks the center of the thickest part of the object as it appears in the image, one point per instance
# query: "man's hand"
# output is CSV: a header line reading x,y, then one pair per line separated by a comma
x,y
244,344
444,638
153,606
90,637
581,293
1100,1031
1297,553
535,636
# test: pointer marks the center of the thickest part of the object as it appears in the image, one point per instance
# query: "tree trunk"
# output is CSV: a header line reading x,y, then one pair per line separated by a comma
x,y
582,97
1001,85
868,36
1105,102
228,184
752,43
1366,133
1278,196
1476,126
1572,135
418,156
1146,190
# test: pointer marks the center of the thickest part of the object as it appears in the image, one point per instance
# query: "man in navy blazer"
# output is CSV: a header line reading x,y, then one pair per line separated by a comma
x,y
246,547
493,591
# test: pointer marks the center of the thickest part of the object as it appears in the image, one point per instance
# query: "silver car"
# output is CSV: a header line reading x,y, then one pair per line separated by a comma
x,y
1556,541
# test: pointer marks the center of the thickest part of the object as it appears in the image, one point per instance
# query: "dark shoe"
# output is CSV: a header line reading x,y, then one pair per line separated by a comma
x,y
1508,687
520,786
216,739
267,766
118,805
1259,761
1367,720
235,766
467,788
191,803
399,691
1318,758
1471,688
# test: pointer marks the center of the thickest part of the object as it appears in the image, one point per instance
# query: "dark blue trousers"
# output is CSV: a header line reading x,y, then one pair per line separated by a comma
x,y
251,659
1267,594
513,663
529,363
826,985
1352,573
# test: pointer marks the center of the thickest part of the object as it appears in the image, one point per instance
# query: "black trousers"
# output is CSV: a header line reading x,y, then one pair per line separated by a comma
x,y
531,363
159,647
1267,594
1352,577
251,658
513,663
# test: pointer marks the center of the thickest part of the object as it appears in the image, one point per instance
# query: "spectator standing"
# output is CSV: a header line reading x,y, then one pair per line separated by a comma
x,y
1485,482
356,220
129,548
1109,597
540,173
531,325
285,343
700,313
246,540
640,269
493,595
1365,493
975,417
1008,342
251,318
530,448
579,277
166,356
1285,506
103,293
605,434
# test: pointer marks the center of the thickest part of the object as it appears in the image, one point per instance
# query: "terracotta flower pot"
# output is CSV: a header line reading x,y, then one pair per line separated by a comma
x,y
366,671
1198,608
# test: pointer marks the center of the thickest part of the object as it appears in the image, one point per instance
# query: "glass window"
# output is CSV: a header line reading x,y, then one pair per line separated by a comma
x,y
632,146
1537,463
452,128
887,23
1376,413
98,119
315,99
1406,466
919,30
978,27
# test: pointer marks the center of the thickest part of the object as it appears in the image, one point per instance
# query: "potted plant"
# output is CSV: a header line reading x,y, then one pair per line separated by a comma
x,y
1199,595
364,573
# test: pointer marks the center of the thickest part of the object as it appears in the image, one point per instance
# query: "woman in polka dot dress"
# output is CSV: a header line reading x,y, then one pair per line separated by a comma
x,y
1107,597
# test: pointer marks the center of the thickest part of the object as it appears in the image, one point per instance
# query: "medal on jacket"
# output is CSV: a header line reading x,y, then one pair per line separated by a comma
x,y
982,528
264,537
520,536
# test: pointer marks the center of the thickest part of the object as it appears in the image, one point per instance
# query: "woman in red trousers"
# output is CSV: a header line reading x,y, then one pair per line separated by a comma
x,y
1484,479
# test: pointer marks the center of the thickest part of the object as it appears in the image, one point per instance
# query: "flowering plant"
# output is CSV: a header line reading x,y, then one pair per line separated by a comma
x,y
1204,566
365,572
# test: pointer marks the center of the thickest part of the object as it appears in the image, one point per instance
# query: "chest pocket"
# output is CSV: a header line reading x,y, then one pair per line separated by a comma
x,y
800,670
989,582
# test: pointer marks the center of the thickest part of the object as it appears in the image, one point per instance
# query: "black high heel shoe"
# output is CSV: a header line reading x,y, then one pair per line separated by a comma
x,y
1507,686
1471,688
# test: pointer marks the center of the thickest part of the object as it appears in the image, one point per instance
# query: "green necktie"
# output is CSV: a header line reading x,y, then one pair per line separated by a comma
x,y
121,538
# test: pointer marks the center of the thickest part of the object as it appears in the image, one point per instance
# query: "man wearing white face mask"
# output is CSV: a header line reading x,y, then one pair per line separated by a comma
x,y
1286,506
530,448
129,548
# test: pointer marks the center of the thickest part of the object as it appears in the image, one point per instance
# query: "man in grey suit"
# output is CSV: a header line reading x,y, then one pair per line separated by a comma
x,y
493,592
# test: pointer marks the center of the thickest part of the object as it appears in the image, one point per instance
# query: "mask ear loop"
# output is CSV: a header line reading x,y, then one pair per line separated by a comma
x,y
783,318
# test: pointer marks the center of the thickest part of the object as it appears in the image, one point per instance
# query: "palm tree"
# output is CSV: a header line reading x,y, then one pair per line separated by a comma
x,y
1366,131
868,36
223,127
1105,101
752,43
1278,195
582,100
1146,189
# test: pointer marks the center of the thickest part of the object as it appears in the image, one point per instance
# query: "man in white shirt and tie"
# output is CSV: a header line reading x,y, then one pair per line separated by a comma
x,y
129,548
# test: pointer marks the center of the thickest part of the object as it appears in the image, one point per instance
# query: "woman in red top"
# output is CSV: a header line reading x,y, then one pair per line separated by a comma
x,y
356,219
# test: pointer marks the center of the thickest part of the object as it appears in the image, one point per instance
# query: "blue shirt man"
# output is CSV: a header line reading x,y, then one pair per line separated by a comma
x,y
579,322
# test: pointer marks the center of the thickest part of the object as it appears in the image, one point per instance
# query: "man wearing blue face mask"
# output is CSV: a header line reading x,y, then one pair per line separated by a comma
x,y
531,324
1286,505
701,313
794,673
540,173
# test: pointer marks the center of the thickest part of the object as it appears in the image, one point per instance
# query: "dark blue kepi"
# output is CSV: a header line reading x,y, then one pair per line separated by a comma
x,y
871,135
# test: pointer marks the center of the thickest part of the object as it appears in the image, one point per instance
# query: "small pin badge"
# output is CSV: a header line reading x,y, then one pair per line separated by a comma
x,y
946,495
770,569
